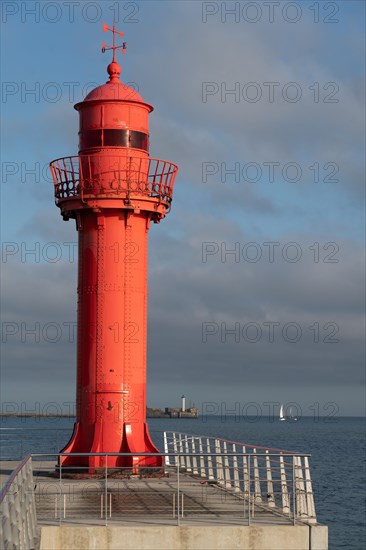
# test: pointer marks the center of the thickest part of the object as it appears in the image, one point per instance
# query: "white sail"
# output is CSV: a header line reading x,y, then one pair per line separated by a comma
x,y
282,417
291,415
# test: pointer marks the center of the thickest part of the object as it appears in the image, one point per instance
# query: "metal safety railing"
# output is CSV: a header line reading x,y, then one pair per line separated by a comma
x,y
106,175
231,490
269,478
151,494
200,478
18,509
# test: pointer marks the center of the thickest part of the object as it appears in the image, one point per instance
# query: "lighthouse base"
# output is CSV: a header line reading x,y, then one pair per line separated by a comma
x,y
135,441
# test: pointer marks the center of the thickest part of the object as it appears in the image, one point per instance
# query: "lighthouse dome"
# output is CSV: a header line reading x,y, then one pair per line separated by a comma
x,y
114,89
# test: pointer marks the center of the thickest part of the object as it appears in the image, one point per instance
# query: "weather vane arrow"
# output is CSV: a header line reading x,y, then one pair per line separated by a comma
x,y
114,47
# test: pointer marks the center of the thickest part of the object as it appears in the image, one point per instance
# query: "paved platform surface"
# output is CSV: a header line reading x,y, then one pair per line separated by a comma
x,y
138,512
141,501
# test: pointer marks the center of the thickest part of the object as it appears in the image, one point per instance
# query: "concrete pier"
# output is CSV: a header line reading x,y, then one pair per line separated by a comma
x,y
143,514
185,537
171,509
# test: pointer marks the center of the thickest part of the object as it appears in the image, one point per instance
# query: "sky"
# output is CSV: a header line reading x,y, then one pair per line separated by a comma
x,y
256,276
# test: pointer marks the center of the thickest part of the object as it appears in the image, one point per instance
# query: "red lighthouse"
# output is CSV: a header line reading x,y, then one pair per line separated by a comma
x,y
113,190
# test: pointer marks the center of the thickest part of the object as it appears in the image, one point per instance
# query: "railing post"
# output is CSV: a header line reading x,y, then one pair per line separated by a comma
x,y
257,483
245,473
32,506
293,491
178,495
181,452
300,489
202,459
249,490
270,495
236,470
194,458
188,458
219,469
7,524
226,468
166,450
29,500
176,458
60,485
309,492
15,524
24,519
284,492
106,490
17,531
209,462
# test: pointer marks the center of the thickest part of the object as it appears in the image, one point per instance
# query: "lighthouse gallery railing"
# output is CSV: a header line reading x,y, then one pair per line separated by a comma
x,y
104,175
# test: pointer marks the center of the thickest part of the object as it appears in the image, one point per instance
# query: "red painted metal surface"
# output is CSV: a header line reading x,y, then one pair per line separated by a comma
x,y
113,190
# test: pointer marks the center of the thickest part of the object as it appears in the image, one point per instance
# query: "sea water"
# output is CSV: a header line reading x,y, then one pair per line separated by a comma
x,y
336,445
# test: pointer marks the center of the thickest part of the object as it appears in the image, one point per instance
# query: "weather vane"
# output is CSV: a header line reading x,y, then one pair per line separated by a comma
x,y
114,47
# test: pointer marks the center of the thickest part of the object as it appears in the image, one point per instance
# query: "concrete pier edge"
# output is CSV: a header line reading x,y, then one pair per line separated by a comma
x,y
185,537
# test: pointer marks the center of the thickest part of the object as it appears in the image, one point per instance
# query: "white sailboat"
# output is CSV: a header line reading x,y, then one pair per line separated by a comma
x,y
291,417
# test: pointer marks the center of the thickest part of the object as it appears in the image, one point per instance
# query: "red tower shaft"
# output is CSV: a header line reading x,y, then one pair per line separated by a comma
x,y
113,190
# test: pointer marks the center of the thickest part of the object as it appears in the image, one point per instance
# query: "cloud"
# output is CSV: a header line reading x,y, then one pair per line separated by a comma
x,y
323,300
185,292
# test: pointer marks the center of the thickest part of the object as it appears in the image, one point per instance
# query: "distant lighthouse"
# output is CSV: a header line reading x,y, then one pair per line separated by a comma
x,y
113,190
183,408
